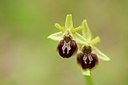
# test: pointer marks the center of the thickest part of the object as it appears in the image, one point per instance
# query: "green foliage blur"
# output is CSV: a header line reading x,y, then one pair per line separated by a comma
x,y
27,57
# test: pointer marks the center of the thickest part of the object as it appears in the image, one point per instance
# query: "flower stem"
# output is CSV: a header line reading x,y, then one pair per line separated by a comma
x,y
88,80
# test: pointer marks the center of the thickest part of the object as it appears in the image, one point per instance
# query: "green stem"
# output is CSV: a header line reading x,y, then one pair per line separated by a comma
x,y
88,80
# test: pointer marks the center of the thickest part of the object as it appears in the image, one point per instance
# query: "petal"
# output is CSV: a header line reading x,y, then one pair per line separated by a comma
x,y
58,26
95,40
76,29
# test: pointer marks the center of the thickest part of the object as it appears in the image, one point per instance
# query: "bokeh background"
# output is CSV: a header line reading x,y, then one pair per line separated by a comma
x,y
27,57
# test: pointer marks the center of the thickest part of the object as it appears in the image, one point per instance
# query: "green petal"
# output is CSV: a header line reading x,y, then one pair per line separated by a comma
x,y
76,29
95,40
68,21
101,55
86,31
58,26
56,36
86,72
80,39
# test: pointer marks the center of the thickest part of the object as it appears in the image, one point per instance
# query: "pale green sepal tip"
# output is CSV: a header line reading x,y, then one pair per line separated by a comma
x,y
101,55
95,40
86,72
86,31
68,21
56,36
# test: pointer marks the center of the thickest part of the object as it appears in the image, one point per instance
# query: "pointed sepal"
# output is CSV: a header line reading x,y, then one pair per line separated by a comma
x,y
101,55
86,31
68,21
56,36
80,39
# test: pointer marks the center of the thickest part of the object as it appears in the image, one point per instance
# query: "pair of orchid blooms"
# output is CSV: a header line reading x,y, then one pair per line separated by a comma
x,y
70,42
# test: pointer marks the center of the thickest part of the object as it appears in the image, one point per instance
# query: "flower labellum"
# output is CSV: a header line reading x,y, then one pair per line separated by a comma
x,y
86,59
67,47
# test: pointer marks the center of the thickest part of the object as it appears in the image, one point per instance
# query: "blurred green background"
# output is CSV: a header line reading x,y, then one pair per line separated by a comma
x,y
27,57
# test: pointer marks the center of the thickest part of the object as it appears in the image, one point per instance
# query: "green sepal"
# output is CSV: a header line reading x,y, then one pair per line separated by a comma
x,y
101,55
86,72
86,31
56,36
68,21
80,39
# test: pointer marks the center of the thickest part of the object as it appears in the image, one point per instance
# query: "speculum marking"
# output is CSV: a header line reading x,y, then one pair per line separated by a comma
x,y
66,45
